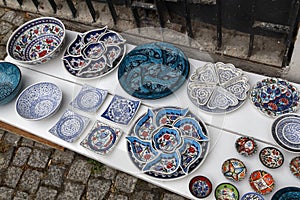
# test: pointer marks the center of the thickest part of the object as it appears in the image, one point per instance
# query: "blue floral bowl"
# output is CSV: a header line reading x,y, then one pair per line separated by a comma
x,y
10,82
37,41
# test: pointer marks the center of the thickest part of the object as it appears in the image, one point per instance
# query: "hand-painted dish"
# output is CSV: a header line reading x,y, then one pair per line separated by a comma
x,y
37,41
271,157
102,138
234,169
39,101
226,191
218,88
252,196
200,187
287,193
295,166
274,97
70,126
261,182
94,53
10,82
246,146
286,132
168,143
153,70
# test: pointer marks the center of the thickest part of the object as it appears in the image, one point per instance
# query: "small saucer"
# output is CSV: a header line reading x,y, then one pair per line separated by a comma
x,y
226,191
200,186
246,146
252,196
261,182
271,157
295,166
234,169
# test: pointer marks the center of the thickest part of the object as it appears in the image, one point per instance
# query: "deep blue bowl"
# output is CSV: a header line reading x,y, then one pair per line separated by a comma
x,y
10,82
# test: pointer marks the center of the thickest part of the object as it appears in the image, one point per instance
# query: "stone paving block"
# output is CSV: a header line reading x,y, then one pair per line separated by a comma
x,y
97,189
125,182
21,156
39,158
5,158
9,16
11,138
42,146
2,52
45,193
105,172
30,181
168,196
117,197
144,195
1,131
2,12
25,142
62,157
6,193
18,21
54,176
5,27
21,196
80,171
71,191
12,176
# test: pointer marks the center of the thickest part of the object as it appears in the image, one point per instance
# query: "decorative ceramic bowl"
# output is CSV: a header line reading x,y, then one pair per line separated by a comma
x,y
246,146
252,196
10,82
226,191
168,143
271,157
36,41
234,169
39,101
287,193
261,182
218,88
200,186
295,166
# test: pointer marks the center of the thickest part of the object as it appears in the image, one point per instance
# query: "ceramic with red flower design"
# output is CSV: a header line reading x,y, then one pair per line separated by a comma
x,y
37,41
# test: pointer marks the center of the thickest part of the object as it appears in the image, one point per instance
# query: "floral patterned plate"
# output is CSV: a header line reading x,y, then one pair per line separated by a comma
x,y
94,53
286,132
153,70
274,97
218,88
168,143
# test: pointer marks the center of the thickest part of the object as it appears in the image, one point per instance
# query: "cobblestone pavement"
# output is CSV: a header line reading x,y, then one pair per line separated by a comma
x,y
30,170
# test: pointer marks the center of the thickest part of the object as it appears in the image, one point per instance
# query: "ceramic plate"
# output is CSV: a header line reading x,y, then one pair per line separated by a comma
x,y
261,182
121,110
70,126
286,132
89,99
200,186
226,191
234,169
295,166
274,97
168,143
153,70
39,101
94,53
287,193
102,138
218,88
271,157
252,196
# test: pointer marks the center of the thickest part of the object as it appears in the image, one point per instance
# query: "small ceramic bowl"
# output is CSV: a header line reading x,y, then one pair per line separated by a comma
x,y
10,82
36,41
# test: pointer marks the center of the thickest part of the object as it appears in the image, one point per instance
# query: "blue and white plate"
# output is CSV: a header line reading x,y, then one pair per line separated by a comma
x,y
39,101
89,99
102,138
70,126
153,70
252,196
286,132
121,110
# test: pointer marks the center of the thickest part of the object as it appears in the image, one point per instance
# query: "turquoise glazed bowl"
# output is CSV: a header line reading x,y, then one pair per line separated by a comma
x,y
10,82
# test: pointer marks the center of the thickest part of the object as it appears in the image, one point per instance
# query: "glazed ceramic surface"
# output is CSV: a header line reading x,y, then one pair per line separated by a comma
x,y
37,41
218,88
153,70
261,182
234,169
295,166
94,53
10,82
200,186
246,146
287,193
70,126
121,110
252,196
168,143
39,101
271,157
102,138
274,97
226,191
89,99
286,132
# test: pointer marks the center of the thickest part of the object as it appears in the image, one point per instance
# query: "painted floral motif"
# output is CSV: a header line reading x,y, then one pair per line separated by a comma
x,y
261,182
295,166
218,88
271,157
226,191
274,97
168,142
200,186
94,53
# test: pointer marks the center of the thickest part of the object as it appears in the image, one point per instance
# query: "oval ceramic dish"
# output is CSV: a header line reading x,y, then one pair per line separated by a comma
x,y
218,88
153,70
274,97
10,82
39,101
36,41
168,143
